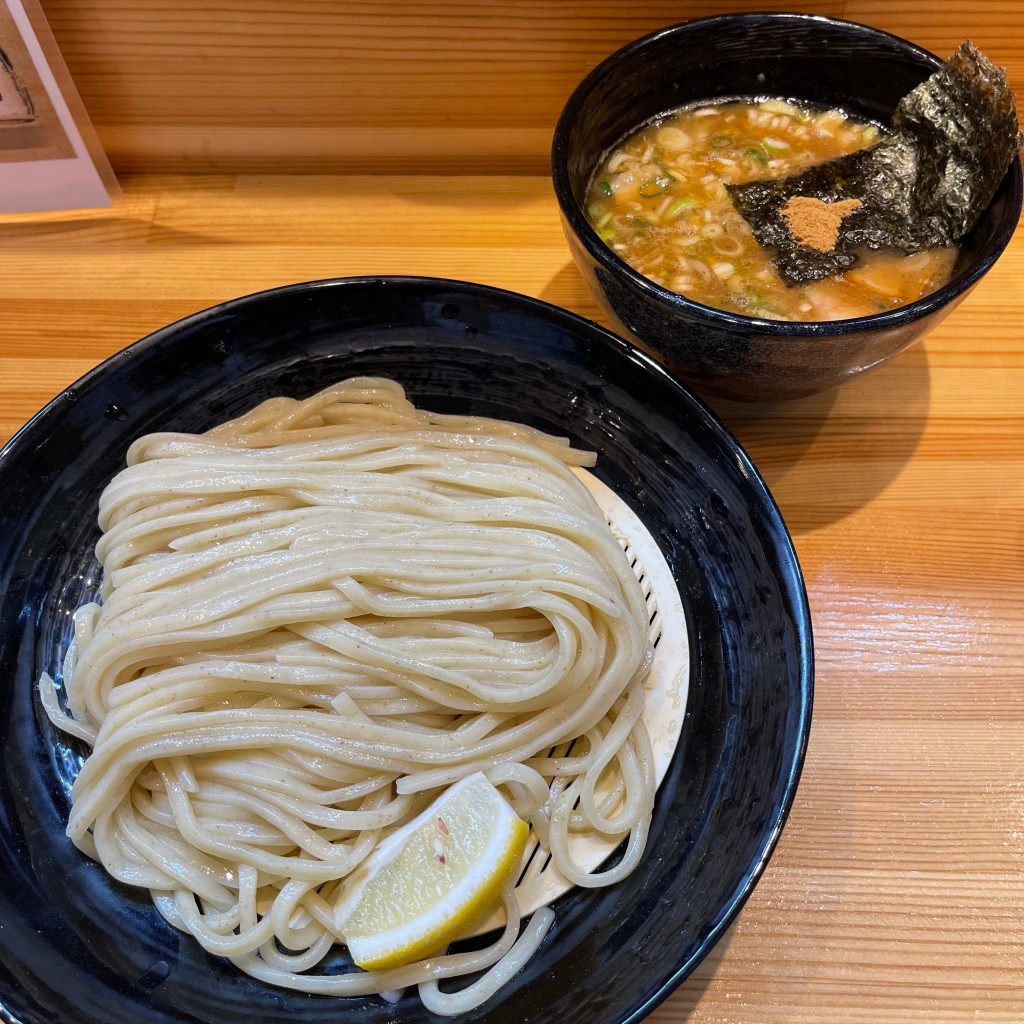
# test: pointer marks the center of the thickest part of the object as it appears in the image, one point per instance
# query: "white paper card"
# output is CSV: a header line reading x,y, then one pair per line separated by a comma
x,y
45,163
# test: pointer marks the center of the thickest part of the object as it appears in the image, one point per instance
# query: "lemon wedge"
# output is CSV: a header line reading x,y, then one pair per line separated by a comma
x,y
428,882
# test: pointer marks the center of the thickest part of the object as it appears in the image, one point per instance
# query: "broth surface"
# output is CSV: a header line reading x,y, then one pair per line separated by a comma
x,y
659,201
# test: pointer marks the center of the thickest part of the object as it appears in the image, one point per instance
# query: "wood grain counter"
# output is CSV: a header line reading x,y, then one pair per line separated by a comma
x,y
897,892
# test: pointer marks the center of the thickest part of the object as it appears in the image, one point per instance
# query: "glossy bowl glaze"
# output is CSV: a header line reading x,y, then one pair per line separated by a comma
x,y
78,948
803,56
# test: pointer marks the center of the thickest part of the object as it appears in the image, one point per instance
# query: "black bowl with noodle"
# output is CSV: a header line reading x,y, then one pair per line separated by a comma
x,y
79,948
792,56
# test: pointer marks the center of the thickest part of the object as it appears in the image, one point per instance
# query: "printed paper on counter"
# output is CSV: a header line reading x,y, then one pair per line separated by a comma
x,y
46,162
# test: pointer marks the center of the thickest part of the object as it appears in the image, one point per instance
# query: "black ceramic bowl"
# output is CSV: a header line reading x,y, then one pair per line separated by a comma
x,y
78,948
803,56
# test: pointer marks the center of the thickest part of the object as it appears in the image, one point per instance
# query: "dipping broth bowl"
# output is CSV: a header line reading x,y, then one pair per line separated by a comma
x,y
795,56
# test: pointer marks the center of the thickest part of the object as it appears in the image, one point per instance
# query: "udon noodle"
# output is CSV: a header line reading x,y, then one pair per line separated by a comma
x,y
312,619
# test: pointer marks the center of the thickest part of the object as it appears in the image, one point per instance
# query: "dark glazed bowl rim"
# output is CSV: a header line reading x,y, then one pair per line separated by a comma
x,y
574,215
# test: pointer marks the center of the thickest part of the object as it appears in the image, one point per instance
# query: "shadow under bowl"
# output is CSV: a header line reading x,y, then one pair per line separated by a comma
x,y
799,56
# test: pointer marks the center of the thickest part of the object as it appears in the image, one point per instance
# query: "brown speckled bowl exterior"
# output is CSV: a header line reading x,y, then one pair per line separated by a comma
x,y
801,56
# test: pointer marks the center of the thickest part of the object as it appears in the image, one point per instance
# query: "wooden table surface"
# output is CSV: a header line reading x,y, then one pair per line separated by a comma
x,y
897,891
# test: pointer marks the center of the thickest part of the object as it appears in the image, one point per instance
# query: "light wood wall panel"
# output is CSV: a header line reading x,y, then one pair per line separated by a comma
x,y
457,85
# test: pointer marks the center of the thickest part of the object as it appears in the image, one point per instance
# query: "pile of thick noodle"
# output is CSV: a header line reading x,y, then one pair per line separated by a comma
x,y
315,616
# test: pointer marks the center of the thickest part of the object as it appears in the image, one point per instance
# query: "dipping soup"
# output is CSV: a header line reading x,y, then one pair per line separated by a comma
x,y
659,200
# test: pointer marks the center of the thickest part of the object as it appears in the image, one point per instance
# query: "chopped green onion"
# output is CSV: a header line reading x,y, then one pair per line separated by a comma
x,y
775,145
605,188
654,187
757,155
721,141
770,313
607,234
678,206
603,222
596,210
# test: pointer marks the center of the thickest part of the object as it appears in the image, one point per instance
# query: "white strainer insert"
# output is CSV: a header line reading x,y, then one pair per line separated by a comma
x,y
540,882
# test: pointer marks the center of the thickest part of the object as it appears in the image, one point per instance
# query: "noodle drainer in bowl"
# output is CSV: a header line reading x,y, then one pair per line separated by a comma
x,y
540,881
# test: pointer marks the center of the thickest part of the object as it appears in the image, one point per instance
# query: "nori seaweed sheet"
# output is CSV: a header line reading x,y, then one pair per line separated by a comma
x,y
922,186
